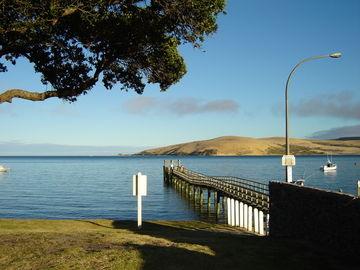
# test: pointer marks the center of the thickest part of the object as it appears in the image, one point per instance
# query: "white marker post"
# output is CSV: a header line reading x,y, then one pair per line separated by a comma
x,y
288,161
139,189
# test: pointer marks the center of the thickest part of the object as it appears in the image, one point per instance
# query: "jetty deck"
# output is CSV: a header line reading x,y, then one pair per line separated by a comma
x,y
245,203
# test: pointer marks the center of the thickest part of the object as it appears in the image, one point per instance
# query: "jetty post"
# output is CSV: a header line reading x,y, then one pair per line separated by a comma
x,y
245,216
256,220
232,204
237,219
261,222
208,198
228,200
241,214
250,218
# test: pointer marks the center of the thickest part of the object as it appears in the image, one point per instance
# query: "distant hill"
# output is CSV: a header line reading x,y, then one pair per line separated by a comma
x,y
348,139
239,146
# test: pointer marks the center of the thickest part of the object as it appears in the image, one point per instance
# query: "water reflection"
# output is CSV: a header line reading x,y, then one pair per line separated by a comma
x,y
331,174
202,205
3,176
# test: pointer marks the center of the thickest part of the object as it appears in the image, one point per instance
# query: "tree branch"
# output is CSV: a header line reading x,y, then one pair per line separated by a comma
x,y
8,95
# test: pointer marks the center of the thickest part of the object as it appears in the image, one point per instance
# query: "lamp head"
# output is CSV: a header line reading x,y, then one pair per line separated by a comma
x,y
335,55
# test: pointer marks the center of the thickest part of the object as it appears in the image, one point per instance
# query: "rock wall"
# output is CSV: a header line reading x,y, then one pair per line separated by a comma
x,y
324,217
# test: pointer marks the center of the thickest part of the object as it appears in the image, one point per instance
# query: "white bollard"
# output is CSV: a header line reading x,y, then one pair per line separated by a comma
x,y
237,223
241,214
256,220
245,216
232,212
250,218
228,211
261,222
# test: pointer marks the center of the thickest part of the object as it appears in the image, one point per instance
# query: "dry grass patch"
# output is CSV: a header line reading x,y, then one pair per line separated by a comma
x,y
238,146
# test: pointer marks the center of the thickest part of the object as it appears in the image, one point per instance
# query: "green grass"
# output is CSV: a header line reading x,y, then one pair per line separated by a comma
x,y
106,244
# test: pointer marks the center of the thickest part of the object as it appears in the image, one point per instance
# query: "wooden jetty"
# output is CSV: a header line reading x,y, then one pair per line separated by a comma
x,y
244,202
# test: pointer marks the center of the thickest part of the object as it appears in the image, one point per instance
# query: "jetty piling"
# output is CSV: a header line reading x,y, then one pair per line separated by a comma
x,y
243,203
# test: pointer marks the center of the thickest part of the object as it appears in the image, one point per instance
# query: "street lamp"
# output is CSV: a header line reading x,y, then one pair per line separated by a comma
x,y
289,160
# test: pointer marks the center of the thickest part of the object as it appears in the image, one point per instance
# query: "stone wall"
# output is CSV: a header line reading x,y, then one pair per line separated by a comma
x,y
323,217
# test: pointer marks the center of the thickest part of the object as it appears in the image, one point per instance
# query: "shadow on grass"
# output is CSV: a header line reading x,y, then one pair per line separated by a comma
x,y
174,258
201,248
93,223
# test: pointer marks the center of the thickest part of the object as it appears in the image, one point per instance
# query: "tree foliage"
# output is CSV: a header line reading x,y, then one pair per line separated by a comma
x,y
76,43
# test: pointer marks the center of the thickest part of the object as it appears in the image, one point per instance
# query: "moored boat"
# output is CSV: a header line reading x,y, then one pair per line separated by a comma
x,y
3,169
329,166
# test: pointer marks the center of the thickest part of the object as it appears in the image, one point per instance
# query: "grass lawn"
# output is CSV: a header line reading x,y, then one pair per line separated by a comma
x,y
107,244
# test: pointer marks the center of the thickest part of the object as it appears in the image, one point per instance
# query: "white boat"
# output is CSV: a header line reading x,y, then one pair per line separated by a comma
x,y
329,166
3,169
300,182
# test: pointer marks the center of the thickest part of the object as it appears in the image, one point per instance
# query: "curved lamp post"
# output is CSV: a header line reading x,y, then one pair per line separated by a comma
x,y
289,160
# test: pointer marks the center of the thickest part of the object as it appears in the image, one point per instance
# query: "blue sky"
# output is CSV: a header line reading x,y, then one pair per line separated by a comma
x,y
234,86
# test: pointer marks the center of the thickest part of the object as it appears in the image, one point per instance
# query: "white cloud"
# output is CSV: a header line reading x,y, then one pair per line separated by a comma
x,y
338,132
181,106
342,105
15,148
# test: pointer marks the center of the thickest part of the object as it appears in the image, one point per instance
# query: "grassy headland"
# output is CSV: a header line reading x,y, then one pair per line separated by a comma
x,y
106,244
240,146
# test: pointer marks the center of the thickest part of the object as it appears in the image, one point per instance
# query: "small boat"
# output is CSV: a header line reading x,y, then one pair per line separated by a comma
x,y
3,169
300,182
329,166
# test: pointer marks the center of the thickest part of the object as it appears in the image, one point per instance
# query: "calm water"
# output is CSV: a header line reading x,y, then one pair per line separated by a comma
x,y
100,187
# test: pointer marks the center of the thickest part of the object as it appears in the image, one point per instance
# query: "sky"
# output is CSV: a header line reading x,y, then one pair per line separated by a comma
x,y
234,86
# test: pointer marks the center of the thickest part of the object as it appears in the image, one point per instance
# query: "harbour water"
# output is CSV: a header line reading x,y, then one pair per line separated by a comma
x,y
100,187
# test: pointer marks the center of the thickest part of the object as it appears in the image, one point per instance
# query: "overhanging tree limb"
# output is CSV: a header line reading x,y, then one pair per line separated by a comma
x,y
75,43
8,95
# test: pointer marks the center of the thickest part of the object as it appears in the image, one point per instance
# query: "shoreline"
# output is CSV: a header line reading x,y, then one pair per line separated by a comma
x,y
100,244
